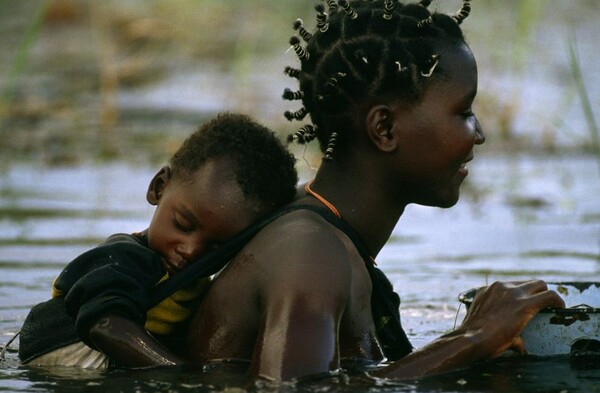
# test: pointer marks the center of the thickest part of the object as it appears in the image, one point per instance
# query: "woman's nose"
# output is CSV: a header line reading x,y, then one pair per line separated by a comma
x,y
479,135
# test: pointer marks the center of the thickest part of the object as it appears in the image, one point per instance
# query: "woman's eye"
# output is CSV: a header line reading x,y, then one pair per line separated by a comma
x,y
468,114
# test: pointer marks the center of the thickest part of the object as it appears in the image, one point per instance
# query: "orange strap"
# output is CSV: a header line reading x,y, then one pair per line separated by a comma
x,y
329,205
322,199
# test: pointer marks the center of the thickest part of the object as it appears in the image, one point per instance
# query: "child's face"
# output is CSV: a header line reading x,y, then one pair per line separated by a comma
x,y
196,215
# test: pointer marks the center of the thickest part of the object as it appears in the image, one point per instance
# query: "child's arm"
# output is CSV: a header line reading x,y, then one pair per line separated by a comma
x,y
106,292
129,344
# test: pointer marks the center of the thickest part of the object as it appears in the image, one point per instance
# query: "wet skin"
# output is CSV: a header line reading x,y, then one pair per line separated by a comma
x,y
295,300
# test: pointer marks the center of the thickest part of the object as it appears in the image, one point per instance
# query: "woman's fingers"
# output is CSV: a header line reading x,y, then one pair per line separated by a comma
x,y
547,299
518,345
534,292
500,312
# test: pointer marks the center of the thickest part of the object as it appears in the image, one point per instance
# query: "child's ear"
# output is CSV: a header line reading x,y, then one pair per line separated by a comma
x,y
380,127
157,185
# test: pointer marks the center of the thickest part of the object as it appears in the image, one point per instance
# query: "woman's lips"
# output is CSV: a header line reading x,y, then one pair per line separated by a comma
x,y
463,167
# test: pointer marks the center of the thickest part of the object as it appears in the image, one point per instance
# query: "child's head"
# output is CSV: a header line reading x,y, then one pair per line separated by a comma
x,y
366,52
225,176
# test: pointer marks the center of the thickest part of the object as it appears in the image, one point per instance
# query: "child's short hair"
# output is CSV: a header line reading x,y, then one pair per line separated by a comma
x,y
263,167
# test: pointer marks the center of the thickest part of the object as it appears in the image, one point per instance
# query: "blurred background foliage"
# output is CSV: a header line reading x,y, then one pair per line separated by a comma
x,y
88,80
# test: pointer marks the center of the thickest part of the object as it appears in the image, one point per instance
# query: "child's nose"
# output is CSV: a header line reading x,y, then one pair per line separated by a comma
x,y
190,250
186,251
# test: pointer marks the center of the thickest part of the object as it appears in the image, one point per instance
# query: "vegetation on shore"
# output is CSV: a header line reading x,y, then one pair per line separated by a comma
x,y
68,64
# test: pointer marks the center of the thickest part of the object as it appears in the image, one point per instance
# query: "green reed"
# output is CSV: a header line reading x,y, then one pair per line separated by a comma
x,y
586,105
20,61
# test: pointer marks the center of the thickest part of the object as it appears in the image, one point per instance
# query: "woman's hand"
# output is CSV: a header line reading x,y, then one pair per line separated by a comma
x,y
500,312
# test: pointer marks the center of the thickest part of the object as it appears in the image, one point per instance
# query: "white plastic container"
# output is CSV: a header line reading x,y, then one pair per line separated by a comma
x,y
574,330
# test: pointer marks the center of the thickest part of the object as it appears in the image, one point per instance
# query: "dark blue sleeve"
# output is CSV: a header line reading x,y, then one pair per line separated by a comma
x,y
112,278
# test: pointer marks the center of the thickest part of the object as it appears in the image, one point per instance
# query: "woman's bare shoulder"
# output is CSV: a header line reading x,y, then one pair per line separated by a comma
x,y
304,243
303,230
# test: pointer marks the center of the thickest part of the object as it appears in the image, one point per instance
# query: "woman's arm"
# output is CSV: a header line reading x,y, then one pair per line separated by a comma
x,y
304,286
492,325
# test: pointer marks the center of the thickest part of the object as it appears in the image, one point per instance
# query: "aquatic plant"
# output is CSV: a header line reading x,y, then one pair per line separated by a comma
x,y
527,19
584,98
20,60
61,103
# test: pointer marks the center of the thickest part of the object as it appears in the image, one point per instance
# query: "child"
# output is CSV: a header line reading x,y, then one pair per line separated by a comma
x,y
226,175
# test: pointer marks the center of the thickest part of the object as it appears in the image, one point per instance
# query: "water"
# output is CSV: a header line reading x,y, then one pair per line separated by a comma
x,y
520,217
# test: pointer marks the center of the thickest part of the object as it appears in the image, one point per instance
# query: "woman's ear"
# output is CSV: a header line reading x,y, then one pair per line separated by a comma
x,y
158,184
380,128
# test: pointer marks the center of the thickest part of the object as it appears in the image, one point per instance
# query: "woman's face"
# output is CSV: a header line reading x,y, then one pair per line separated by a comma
x,y
438,133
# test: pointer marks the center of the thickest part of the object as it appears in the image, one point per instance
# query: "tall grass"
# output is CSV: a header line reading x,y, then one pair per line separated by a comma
x,y
586,105
501,109
20,61
237,36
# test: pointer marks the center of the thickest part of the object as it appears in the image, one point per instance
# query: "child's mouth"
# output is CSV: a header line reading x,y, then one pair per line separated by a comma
x,y
170,267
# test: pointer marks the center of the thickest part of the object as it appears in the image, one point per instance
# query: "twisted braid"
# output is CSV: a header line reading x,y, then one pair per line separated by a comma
x,y
363,50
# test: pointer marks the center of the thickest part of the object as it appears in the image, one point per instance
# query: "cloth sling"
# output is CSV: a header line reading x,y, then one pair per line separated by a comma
x,y
385,303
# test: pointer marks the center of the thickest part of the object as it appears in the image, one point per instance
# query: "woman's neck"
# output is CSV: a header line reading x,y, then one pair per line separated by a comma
x,y
362,202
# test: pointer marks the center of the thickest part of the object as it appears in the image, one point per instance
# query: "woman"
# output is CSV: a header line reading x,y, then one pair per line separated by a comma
x,y
389,89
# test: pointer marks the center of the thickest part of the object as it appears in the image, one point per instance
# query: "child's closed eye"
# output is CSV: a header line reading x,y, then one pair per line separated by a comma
x,y
182,226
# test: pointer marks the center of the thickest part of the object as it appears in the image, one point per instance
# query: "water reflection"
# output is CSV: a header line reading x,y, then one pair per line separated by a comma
x,y
524,374
507,374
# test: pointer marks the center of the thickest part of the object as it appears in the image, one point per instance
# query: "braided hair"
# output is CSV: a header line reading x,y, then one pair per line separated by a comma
x,y
362,50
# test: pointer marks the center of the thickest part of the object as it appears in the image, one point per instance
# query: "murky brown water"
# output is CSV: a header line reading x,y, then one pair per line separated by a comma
x,y
520,217
529,215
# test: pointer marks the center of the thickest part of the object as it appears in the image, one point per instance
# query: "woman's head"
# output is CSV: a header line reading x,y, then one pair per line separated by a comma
x,y
364,53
